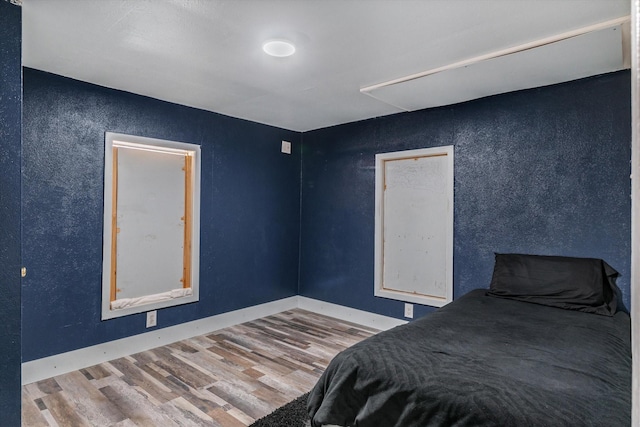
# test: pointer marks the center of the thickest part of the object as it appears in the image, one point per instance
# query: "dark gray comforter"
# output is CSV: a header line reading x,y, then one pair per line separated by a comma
x,y
484,361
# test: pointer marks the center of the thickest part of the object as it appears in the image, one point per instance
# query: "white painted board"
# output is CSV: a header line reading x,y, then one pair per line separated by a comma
x,y
150,222
147,235
414,225
572,58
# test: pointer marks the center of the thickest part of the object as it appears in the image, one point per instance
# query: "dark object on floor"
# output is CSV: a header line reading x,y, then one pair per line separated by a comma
x,y
293,414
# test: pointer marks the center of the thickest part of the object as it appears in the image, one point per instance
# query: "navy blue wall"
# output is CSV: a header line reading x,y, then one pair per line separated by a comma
x,y
10,134
540,171
543,171
249,210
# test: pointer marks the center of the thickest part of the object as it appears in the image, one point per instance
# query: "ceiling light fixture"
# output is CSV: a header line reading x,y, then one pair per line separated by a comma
x,y
279,48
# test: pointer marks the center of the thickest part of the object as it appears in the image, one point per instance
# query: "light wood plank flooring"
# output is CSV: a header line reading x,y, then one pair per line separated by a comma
x,y
228,378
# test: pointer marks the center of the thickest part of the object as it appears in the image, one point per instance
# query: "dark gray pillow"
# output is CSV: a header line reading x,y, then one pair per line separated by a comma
x,y
584,284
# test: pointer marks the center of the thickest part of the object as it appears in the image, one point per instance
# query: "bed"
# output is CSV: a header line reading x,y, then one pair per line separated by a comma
x,y
548,344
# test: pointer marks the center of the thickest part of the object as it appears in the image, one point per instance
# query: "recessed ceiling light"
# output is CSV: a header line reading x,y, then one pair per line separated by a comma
x,y
279,48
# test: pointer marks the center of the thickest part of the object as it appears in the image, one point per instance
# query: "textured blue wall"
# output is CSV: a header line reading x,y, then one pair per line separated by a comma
x,y
543,171
538,171
250,196
10,134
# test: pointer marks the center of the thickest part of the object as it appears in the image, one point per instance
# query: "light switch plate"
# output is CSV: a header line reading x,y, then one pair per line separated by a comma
x,y
286,147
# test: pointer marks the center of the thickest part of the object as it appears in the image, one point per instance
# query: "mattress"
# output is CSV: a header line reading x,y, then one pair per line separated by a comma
x,y
483,361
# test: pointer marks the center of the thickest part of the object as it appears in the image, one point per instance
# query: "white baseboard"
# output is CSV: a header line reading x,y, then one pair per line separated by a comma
x,y
47,367
63,363
349,314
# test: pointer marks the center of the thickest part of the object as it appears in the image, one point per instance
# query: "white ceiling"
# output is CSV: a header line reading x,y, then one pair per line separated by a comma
x,y
207,53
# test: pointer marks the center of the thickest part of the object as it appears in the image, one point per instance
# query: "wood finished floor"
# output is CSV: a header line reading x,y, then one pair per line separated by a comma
x,y
228,378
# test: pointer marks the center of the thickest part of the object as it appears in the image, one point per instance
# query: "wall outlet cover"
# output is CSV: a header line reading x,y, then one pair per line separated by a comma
x,y
152,318
408,310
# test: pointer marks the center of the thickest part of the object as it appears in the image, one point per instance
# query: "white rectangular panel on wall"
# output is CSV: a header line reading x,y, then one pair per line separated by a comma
x,y
151,224
150,221
414,226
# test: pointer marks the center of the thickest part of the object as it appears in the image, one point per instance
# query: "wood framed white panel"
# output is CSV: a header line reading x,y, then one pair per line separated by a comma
x,y
151,224
414,226
150,207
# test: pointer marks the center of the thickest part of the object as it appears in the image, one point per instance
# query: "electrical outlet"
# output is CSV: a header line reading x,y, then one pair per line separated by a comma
x,y
152,318
286,147
408,310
